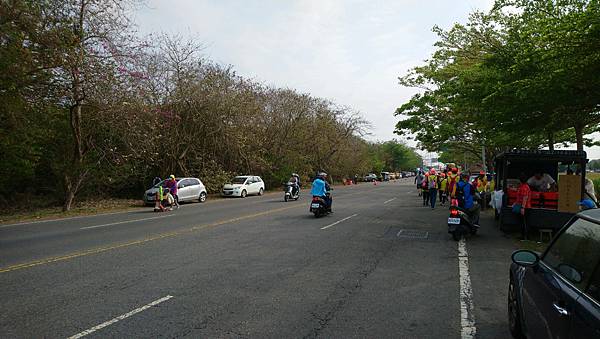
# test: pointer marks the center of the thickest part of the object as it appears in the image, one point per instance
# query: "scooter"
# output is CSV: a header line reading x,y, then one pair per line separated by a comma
x,y
289,192
318,206
460,223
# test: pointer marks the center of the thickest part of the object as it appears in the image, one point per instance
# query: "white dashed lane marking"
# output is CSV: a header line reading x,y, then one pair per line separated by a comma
x,y
339,221
119,318
385,202
125,222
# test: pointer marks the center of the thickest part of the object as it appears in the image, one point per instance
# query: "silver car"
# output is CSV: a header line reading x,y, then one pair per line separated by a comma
x,y
188,189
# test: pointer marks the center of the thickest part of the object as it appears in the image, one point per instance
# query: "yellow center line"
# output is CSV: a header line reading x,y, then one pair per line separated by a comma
x,y
141,241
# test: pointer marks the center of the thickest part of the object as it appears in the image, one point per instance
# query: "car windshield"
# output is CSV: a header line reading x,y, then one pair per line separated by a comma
x,y
238,180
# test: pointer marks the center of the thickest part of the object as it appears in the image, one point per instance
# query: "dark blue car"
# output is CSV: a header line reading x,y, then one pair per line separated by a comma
x,y
557,294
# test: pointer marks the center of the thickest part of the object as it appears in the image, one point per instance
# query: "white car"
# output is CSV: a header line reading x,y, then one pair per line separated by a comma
x,y
188,189
244,185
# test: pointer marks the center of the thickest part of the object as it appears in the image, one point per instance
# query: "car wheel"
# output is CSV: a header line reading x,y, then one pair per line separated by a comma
x,y
514,318
260,191
202,197
243,194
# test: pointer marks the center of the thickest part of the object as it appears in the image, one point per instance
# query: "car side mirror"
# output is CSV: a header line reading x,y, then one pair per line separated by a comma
x,y
525,258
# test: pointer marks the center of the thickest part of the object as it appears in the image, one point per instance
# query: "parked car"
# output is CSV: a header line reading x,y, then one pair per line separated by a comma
x,y
188,189
244,185
385,176
370,177
557,294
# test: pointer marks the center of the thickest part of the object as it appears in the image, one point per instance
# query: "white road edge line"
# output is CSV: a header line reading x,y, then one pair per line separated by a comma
x,y
467,317
119,318
339,221
125,222
385,202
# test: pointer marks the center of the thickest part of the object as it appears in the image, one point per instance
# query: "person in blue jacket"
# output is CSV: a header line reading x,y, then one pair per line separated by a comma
x,y
320,188
466,193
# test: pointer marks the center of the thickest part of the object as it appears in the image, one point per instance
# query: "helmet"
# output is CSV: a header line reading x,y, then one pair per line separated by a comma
x,y
295,174
481,172
432,171
443,175
322,174
172,176
454,170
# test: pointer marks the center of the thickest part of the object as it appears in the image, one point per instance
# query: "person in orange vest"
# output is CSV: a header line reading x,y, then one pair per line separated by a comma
x,y
482,188
453,177
443,189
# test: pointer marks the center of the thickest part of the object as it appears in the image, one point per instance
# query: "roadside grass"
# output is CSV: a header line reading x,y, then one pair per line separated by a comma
x,y
592,175
34,213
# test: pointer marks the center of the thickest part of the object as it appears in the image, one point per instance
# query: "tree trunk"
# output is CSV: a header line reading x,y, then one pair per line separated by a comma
x,y
551,141
73,175
579,136
69,194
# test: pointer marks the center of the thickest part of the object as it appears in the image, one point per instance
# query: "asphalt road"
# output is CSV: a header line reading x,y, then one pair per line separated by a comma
x,y
381,266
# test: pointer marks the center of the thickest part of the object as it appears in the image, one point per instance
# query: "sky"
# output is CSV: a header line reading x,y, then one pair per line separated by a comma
x,y
349,51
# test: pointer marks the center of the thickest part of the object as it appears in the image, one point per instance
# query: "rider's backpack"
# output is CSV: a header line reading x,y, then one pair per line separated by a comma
x,y
460,194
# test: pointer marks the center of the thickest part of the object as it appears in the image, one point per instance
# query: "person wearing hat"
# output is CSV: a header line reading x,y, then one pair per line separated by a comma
x,y
171,184
432,183
453,178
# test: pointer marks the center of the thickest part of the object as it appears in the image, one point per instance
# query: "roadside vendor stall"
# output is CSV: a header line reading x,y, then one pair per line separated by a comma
x,y
551,208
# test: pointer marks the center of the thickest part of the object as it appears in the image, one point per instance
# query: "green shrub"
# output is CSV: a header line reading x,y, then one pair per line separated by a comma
x,y
596,186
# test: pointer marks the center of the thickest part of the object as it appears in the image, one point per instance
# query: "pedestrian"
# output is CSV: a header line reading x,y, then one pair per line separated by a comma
x,y
433,187
425,189
482,186
419,182
453,178
158,198
156,181
522,204
443,189
171,184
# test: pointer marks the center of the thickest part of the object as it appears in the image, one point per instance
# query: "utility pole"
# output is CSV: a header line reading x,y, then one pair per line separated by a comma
x,y
483,158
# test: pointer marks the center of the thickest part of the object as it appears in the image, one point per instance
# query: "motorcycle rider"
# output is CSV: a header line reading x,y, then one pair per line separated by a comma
x,y
465,194
295,181
320,187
